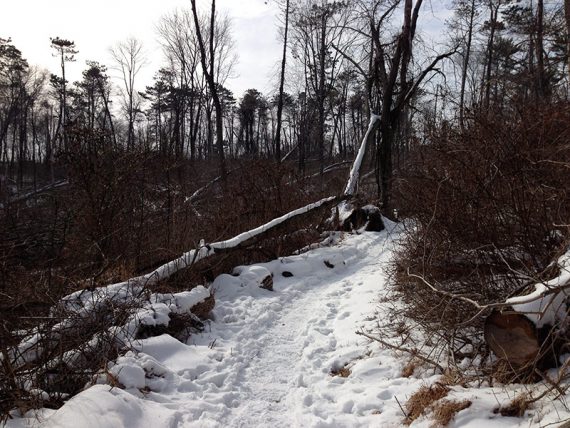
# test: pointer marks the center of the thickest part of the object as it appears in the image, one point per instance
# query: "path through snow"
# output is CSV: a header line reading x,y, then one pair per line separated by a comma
x,y
265,360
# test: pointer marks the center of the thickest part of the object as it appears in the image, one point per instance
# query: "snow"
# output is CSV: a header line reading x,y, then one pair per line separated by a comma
x,y
266,357
545,305
153,310
352,184
185,300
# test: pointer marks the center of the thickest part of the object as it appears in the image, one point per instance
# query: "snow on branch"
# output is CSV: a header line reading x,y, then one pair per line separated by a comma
x,y
83,302
193,256
352,184
547,303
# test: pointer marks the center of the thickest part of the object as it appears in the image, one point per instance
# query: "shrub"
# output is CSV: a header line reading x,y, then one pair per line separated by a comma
x,y
488,210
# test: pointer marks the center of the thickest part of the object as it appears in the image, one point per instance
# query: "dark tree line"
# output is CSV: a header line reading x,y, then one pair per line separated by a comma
x,y
341,62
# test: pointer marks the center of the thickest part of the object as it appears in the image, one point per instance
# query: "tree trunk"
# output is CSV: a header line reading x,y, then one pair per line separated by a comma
x,y
209,74
466,65
281,87
490,53
567,16
540,75
322,89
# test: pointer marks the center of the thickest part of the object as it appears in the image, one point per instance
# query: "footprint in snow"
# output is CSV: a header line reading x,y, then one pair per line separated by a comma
x,y
385,395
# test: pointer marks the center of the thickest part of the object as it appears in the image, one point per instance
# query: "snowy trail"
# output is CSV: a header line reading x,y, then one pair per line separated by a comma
x,y
266,357
290,340
267,380
264,360
274,377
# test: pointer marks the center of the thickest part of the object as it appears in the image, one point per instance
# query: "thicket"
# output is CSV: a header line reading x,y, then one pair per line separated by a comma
x,y
119,214
487,210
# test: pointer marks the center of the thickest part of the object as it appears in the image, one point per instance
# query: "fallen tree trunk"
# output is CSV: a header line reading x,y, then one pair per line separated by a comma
x,y
29,350
352,184
242,240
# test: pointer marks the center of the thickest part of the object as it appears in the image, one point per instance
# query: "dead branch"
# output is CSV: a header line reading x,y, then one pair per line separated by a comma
x,y
533,297
412,352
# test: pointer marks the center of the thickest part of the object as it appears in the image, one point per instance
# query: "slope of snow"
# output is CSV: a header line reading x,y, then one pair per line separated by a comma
x,y
266,357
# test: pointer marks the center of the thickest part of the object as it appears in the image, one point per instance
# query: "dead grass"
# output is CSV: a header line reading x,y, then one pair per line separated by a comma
x,y
423,399
517,407
410,367
445,410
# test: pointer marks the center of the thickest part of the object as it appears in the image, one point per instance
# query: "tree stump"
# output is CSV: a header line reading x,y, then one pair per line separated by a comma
x,y
368,217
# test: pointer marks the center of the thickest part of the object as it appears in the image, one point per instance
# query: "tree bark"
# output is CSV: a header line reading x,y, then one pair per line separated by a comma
x,y
490,52
322,92
209,74
281,87
540,74
567,16
466,65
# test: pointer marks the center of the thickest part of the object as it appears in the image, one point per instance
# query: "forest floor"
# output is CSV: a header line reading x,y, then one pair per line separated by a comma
x,y
287,358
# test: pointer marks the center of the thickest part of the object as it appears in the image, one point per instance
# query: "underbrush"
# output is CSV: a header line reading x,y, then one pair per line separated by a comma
x,y
488,214
122,214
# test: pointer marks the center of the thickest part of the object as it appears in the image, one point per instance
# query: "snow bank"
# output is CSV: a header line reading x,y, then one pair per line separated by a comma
x,y
148,310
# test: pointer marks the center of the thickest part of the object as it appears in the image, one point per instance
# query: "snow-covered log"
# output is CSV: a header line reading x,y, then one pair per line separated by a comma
x,y
33,193
207,250
523,331
84,302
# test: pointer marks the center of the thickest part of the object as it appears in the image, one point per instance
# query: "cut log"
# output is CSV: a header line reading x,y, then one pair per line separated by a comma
x,y
515,339
512,337
530,330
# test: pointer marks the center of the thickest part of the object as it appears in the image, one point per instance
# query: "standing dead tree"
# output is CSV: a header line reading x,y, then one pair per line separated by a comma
x,y
65,50
209,73
128,56
281,87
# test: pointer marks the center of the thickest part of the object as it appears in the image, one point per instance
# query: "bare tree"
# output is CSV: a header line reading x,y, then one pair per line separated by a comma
x,y
209,73
391,84
129,58
281,86
318,27
494,7
470,12
541,82
567,16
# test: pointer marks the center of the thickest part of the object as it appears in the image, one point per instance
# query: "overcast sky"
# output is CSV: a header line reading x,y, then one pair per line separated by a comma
x,y
96,25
